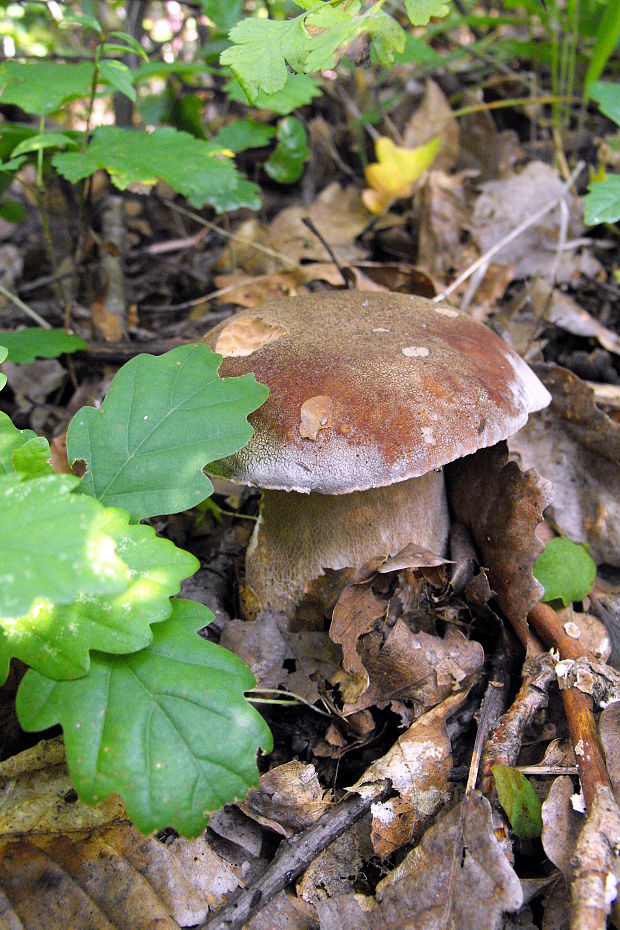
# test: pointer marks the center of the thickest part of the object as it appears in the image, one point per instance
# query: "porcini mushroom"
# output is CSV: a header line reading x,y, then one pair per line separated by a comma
x,y
370,395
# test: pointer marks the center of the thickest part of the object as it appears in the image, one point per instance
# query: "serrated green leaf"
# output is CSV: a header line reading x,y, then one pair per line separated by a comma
x,y
299,90
45,140
32,458
42,87
421,11
162,421
186,163
187,747
87,561
119,76
31,342
90,550
11,439
224,13
262,48
388,38
607,95
242,134
519,800
565,570
286,163
602,202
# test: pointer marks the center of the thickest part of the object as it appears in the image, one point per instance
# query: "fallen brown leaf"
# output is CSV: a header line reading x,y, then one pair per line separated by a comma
x,y
288,799
458,876
417,765
577,448
502,507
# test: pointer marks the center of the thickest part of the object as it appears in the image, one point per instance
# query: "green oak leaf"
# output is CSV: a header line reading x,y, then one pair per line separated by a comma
x,y
31,342
77,576
519,800
286,163
38,518
566,570
188,745
162,421
32,458
11,439
602,202
607,95
186,163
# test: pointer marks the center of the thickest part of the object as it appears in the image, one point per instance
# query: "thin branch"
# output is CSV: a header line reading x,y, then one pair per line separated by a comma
x,y
22,306
292,858
530,221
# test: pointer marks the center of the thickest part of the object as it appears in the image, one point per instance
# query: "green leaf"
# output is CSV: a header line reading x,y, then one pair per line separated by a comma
x,y
602,202
89,563
421,11
130,41
519,800
12,211
73,19
286,163
119,76
388,38
3,354
224,13
25,345
242,134
32,458
262,48
42,87
607,35
565,570
11,439
184,162
299,90
188,745
44,140
607,95
162,421
93,582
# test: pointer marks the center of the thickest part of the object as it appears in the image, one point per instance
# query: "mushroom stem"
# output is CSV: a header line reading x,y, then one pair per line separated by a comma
x,y
299,536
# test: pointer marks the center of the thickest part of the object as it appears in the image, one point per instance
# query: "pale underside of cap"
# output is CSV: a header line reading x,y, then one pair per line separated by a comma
x,y
367,389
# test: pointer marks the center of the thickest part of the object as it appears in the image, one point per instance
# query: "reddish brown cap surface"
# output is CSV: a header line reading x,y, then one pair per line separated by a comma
x,y
369,388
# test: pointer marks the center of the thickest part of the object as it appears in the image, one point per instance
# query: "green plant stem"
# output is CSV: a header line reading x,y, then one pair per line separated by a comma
x,y
40,155
294,699
22,306
512,102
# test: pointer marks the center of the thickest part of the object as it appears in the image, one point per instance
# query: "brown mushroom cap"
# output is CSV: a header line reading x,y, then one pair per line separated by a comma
x,y
367,389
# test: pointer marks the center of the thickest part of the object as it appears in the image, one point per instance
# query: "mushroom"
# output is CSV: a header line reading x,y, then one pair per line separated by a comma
x,y
371,394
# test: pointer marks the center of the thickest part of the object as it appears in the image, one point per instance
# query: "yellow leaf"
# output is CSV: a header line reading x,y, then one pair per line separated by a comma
x,y
395,172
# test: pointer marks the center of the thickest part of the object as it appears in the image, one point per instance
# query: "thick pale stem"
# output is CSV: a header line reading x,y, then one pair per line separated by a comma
x,y
298,536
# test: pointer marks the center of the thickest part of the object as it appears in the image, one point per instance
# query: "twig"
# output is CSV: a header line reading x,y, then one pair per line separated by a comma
x,y
530,221
504,746
308,222
226,235
595,864
22,306
577,706
292,858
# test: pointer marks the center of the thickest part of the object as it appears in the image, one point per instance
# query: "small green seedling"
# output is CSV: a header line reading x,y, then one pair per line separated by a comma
x,y
566,571
519,800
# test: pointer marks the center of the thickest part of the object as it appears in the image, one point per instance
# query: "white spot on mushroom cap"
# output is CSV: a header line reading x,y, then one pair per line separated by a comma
x,y
429,438
446,311
316,414
245,335
416,351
